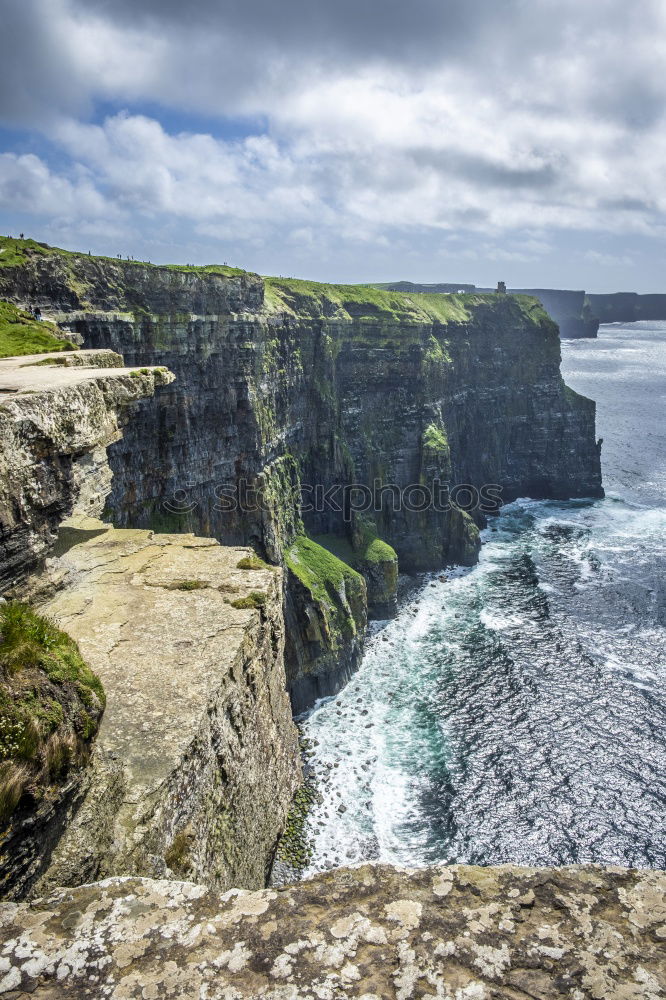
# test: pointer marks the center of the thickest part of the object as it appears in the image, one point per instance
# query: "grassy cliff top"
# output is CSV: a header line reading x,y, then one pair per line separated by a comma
x,y
21,333
318,299
299,297
15,253
321,300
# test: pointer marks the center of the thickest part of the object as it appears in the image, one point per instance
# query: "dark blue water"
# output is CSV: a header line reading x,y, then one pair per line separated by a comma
x,y
517,711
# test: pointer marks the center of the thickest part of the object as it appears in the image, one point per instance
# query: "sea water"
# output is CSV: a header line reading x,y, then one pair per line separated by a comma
x,y
516,712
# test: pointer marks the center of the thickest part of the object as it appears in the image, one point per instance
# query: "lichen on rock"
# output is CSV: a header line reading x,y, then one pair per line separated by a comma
x,y
375,932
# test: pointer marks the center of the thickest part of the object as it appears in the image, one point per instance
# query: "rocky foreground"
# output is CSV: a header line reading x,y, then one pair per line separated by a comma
x,y
373,932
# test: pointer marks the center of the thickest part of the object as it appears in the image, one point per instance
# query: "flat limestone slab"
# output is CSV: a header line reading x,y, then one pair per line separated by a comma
x,y
197,713
154,647
375,932
57,369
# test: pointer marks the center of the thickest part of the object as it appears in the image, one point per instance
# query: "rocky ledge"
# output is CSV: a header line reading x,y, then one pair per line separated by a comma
x,y
58,414
196,760
376,932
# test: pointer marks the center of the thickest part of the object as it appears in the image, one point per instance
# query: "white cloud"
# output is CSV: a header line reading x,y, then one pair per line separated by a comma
x,y
491,121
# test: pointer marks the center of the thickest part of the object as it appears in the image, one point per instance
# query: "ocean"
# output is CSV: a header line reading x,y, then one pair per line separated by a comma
x,y
516,712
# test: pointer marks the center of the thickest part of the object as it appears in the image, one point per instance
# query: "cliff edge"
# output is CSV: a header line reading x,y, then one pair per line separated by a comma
x,y
309,413
376,932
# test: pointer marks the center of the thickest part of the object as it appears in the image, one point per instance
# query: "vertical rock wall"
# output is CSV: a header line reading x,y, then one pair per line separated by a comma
x,y
282,384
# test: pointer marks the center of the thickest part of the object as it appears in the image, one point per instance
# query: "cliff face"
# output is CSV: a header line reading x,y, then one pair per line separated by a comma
x,y
196,760
571,310
457,933
283,384
58,415
628,307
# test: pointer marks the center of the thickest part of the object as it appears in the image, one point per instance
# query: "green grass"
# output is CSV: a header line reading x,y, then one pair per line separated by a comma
x,y
50,704
372,303
61,362
316,299
21,334
319,570
367,546
435,440
189,585
252,562
223,269
15,253
27,639
331,582
253,600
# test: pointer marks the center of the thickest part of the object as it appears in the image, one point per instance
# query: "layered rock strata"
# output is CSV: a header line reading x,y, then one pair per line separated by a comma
x,y
572,310
196,760
58,415
283,385
376,932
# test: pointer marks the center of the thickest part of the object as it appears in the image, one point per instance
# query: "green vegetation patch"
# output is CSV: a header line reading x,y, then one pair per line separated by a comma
x,y
315,299
253,600
333,585
61,362
223,269
14,253
50,706
252,562
368,546
435,440
21,333
319,570
189,585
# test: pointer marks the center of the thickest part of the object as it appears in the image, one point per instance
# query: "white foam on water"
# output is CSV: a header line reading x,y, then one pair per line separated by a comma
x,y
371,737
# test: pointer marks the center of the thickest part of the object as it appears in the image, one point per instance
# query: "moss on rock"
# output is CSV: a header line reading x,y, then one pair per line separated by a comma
x,y
252,562
252,601
374,559
333,585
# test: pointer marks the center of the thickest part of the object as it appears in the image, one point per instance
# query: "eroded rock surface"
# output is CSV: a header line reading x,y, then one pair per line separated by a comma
x,y
196,760
58,415
376,932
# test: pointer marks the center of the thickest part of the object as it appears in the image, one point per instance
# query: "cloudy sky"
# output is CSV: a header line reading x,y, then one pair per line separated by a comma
x,y
348,140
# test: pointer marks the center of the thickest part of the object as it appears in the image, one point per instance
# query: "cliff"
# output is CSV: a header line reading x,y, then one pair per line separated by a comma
x,y
571,310
627,307
196,760
58,415
376,932
283,386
